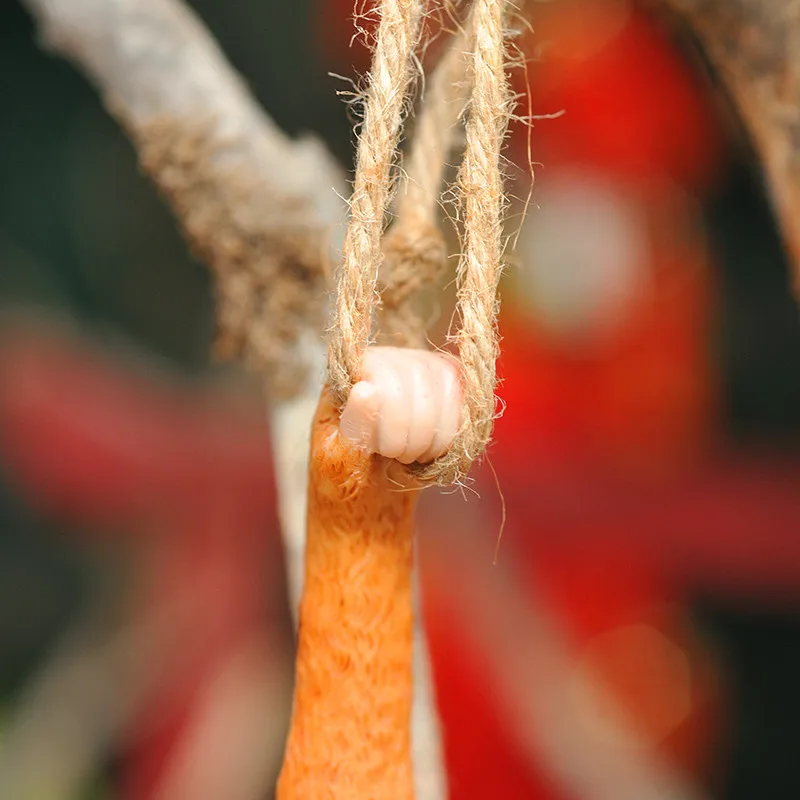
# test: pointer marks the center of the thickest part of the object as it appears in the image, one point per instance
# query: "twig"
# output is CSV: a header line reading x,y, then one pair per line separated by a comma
x,y
256,206
755,45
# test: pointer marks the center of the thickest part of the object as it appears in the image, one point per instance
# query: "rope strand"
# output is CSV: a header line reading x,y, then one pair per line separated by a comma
x,y
391,73
415,253
434,136
480,267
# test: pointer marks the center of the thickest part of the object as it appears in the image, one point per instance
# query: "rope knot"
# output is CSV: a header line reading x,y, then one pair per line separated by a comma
x,y
414,263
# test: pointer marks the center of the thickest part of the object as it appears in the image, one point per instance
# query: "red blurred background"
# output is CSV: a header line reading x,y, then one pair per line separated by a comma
x,y
646,464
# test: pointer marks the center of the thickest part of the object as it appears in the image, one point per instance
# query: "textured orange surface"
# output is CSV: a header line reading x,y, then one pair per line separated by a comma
x,y
350,734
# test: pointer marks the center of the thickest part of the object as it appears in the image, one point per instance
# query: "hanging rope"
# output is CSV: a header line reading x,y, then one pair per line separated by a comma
x,y
480,187
414,248
392,71
480,267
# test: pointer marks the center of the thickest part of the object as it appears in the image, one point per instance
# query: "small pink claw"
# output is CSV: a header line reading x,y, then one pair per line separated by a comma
x,y
406,407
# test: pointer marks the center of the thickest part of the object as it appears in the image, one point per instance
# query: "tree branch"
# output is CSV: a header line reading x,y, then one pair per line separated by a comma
x,y
755,46
258,207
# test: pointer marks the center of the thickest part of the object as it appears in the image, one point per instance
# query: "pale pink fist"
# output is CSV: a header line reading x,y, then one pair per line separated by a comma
x,y
407,405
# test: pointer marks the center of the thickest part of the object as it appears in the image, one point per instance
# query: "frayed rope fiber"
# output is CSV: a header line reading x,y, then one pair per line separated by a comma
x,y
482,202
350,736
356,295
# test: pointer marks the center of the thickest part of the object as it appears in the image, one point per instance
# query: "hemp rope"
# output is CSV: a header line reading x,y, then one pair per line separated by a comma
x,y
414,248
390,76
480,186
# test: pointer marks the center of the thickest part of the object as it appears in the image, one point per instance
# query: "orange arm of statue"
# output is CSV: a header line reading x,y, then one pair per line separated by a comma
x,y
350,733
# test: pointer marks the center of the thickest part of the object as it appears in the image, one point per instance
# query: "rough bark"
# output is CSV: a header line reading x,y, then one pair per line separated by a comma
x,y
755,47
